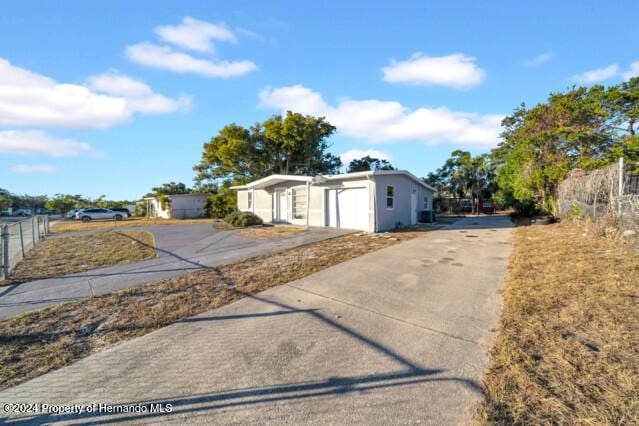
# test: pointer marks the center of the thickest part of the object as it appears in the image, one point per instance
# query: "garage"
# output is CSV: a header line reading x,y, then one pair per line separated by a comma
x,y
348,208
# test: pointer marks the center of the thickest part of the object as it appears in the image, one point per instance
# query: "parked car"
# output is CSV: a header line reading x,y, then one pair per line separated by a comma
x,y
123,210
87,215
466,205
72,213
488,207
23,212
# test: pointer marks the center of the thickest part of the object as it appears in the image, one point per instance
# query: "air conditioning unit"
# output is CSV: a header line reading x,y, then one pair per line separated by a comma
x,y
426,216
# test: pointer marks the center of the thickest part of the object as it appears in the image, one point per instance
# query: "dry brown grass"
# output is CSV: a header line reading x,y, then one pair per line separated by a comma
x,y
77,225
34,343
568,347
68,255
266,232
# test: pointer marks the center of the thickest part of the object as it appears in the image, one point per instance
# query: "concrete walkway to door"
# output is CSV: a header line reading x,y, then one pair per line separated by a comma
x,y
397,336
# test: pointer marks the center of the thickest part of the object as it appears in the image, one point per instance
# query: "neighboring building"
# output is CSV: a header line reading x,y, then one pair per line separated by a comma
x,y
370,201
179,206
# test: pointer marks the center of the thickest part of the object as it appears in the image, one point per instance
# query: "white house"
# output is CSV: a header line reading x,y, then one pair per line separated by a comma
x,y
370,201
179,206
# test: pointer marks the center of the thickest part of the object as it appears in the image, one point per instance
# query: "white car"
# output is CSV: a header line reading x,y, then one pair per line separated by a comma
x,y
72,213
87,215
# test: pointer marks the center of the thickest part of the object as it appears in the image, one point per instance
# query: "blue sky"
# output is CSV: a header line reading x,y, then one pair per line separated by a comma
x,y
117,97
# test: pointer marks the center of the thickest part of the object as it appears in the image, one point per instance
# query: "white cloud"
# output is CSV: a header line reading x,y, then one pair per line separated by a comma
x,y
30,99
456,70
34,100
35,168
353,154
540,59
388,121
35,142
633,71
139,96
597,75
195,34
163,57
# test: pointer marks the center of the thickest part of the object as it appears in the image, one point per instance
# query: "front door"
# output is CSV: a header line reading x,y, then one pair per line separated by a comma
x,y
282,206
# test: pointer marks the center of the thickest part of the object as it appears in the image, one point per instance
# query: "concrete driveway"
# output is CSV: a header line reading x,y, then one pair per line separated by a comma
x,y
180,248
397,336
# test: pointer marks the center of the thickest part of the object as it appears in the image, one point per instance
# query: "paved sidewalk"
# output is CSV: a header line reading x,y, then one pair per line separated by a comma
x,y
180,248
397,336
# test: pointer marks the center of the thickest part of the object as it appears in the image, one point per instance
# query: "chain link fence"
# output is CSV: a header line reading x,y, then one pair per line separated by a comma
x,y
608,196
17,238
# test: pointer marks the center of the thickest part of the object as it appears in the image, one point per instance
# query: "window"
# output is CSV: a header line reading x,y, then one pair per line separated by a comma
x,y
298,196
425,203
390,197
250,200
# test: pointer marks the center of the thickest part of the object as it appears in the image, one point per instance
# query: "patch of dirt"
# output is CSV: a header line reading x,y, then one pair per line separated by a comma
x,y
266,232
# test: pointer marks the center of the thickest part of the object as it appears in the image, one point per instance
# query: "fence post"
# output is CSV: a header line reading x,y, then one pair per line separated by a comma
x,y
33,229
621,176
4,241
21,238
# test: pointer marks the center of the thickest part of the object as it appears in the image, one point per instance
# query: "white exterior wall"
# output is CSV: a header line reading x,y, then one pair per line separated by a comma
x,y
264,203
182,207
156,210
188,207
322,216
388,218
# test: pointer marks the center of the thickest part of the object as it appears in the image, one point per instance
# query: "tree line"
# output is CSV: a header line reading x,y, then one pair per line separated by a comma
x,y
581,128
59,203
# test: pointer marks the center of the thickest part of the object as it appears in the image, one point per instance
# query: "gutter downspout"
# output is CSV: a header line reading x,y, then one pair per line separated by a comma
x,y
372,181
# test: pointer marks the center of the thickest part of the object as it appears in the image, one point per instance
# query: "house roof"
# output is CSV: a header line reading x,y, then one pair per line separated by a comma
x,y
275,179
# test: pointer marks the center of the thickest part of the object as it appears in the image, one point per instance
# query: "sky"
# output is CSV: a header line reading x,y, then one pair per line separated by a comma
x,y
117,97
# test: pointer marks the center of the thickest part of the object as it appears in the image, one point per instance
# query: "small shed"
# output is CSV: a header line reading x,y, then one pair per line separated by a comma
x,y
177,206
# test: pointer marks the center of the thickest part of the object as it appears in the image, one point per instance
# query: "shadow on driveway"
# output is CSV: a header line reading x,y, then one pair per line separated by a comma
x,y
209,403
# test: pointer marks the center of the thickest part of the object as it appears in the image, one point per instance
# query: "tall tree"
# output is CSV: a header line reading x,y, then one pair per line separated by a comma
x,y
622,103
369,163
5,199
172,188
294,144
463,175
64,202
542,144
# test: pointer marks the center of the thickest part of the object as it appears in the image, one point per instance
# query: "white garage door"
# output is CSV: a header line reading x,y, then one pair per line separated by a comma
x,y
348,208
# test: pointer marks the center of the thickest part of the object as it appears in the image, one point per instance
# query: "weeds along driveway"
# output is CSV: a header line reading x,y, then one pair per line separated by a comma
x,y
397,336
180,248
